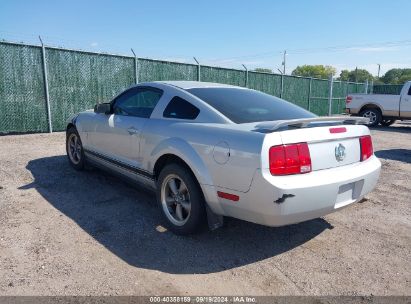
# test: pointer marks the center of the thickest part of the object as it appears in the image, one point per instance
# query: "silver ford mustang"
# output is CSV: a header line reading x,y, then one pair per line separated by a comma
x,y
210,150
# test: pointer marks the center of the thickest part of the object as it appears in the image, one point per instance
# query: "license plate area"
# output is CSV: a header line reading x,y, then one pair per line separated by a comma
x,y
348,193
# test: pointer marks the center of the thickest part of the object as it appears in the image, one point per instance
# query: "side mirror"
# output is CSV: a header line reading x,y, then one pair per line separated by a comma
x,y
102,108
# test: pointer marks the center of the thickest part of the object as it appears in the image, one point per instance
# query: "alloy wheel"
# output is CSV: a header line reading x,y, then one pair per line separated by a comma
x,y
74,148
371,116
175,200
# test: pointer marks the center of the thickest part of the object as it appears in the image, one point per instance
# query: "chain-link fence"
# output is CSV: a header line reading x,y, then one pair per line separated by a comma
x,y
391,89
69,81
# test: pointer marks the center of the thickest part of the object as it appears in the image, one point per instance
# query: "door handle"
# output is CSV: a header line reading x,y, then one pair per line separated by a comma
x,y
132,131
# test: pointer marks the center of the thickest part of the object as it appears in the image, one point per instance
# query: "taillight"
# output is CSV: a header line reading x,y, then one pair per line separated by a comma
x,y
348,99
366,147
290,159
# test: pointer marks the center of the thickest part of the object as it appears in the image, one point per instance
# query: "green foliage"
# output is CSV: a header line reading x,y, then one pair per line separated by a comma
x,y
357,75
263,70
397,76
317,71
378,81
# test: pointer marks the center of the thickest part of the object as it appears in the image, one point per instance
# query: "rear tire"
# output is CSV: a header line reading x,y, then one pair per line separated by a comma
x,y
74,149
180,200
374,115
387,122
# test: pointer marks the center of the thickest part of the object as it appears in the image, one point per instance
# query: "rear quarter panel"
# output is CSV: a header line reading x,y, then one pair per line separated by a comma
x,y
218,155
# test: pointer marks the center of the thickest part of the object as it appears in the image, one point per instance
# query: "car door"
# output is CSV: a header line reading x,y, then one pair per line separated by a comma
x,y
116,136
405,105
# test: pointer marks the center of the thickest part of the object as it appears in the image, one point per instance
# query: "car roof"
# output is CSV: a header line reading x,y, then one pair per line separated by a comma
x,y
195,84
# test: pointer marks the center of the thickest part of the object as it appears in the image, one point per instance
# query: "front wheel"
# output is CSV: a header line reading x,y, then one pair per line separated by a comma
x,y
181,200
374,115
74,149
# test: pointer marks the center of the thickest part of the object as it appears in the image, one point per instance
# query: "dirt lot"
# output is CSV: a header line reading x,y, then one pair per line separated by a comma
x,y
68,233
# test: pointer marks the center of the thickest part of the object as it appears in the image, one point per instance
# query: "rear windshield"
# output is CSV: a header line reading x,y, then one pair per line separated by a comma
x,y
242,105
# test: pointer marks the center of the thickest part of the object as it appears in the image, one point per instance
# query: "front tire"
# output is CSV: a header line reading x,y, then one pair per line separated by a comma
x,y
74,149
374,116
181,200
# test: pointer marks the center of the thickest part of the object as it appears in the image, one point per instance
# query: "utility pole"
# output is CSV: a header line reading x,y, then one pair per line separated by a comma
x,y
379,68
284,54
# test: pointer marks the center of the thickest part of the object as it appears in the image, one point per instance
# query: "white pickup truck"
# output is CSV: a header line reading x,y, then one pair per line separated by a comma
x,y
379,108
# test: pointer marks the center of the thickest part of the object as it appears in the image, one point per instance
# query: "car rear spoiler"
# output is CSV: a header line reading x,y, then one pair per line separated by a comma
x,y
304,122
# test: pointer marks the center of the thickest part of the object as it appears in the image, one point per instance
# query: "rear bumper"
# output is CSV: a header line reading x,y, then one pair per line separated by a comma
x,y
278,201
352,111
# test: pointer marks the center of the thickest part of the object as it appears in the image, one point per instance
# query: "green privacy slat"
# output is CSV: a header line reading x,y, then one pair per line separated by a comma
x,y
152,70
77,80
392,89
339,94
22,97
296,90
221,75
267,83
319,95
319,106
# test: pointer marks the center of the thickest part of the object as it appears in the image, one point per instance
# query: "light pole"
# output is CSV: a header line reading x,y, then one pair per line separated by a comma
x,y
379,68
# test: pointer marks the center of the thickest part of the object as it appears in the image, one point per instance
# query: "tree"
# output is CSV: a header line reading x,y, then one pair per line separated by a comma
x,y
344,75
357,75
263,70
404,78
317,71
396,76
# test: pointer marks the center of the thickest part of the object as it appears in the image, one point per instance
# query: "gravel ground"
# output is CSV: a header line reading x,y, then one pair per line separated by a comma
x,y
87,233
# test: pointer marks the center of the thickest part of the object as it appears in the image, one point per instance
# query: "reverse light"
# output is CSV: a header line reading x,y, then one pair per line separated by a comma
x,y
366,147
348,99
290,159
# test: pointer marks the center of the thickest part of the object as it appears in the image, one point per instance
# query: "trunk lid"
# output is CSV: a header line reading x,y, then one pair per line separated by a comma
x,y
327,148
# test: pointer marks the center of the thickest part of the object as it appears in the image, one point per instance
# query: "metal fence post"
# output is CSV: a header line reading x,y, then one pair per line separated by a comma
x,y
366,86
309,93
135,66
198,70
372,87
330,96
246,76
282,86
46,85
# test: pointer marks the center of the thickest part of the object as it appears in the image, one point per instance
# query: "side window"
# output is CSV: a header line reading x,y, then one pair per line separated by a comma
x,y
138,102
409,90
180,108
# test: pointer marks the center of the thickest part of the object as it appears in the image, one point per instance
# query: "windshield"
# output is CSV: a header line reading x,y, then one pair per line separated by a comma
x,y
243,106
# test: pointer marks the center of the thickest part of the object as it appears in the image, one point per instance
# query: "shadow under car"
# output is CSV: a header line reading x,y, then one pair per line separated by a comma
x,y
124,219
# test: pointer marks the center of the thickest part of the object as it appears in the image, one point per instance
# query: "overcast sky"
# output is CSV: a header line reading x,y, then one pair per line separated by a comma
x,y
344,34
